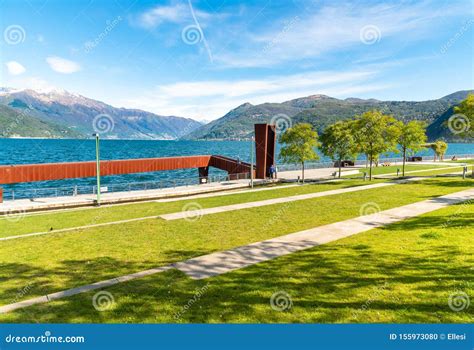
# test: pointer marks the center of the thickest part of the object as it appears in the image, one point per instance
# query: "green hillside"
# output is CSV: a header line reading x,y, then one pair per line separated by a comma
x,y
321,111
14,123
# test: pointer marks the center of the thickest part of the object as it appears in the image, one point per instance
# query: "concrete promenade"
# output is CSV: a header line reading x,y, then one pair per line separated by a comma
x,y
84,200
172,193
256,204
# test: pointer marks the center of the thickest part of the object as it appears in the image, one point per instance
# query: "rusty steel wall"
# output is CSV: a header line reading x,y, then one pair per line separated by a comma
x,y
57,171
10,174
232,166
265,144
261,138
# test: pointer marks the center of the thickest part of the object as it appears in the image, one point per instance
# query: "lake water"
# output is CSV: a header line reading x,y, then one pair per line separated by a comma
x,y
23,151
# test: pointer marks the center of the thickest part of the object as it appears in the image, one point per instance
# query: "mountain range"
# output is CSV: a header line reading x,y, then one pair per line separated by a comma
x,y
61,114
322,110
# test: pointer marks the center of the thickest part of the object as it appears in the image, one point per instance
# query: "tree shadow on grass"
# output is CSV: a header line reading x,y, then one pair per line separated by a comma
x,y
349,281
326,284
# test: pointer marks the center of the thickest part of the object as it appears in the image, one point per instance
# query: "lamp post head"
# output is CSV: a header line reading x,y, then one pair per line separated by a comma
x,y
95,134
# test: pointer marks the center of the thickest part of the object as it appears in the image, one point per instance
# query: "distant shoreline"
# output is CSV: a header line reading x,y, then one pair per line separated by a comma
x,y
174,140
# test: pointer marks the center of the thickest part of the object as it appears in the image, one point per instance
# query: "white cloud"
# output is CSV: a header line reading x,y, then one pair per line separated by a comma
x,y
159,14
175,13
212,99
15,68
311,34
62,65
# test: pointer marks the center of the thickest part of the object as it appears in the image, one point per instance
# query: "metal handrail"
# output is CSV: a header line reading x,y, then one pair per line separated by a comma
x,y
74,190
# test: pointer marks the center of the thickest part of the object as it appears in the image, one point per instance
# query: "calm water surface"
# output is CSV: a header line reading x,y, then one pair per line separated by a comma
x,y
23,151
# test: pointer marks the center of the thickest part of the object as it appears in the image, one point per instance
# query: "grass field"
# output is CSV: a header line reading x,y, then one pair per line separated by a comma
x,y
59,261
73,218
392,169
402,273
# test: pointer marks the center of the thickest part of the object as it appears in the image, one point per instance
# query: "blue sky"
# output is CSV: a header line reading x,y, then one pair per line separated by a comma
x,y
200,59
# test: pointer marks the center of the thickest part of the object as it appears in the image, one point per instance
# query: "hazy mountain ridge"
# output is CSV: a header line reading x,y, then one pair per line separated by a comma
x,y
321,111
15,123
61,114
76,114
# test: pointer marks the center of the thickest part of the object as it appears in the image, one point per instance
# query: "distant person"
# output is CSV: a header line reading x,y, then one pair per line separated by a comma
x,y
454,158
272,171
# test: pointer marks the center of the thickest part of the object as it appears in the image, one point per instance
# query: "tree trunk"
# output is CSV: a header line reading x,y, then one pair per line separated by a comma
x,y
340,166
370,169
302,170
404,159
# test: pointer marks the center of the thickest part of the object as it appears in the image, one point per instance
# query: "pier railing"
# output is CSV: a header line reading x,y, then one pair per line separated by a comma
x,y
64,191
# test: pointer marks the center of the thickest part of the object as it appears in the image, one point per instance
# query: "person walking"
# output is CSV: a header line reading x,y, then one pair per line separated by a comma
x,y
272,171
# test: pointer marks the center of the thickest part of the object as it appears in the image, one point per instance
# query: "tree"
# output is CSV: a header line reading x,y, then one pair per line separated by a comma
x,y
439,148
337,142
463,122
375,134
298,145
411,139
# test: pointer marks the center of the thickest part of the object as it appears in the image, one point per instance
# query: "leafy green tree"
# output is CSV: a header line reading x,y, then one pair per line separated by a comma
x,y
338,142
298,145
466,119
375,134
439,147
411,139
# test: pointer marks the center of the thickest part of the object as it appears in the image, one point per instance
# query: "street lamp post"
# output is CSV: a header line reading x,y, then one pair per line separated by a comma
x,y
97,160
251,162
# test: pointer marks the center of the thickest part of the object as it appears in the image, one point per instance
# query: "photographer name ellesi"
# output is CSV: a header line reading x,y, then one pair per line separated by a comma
x,y
428,336
454,336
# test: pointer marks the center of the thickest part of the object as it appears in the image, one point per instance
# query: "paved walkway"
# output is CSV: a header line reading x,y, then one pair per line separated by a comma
x,y
315,174
186,213
174,193
232,207
222,262
454,169
24,205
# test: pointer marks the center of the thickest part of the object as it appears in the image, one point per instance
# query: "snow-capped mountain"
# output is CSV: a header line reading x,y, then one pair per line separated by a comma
x,y
79,115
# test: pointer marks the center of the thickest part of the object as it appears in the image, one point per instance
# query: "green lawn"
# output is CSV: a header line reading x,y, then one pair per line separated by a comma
x,y
403,273
65,219
469,161
60,261
442,172
381,170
